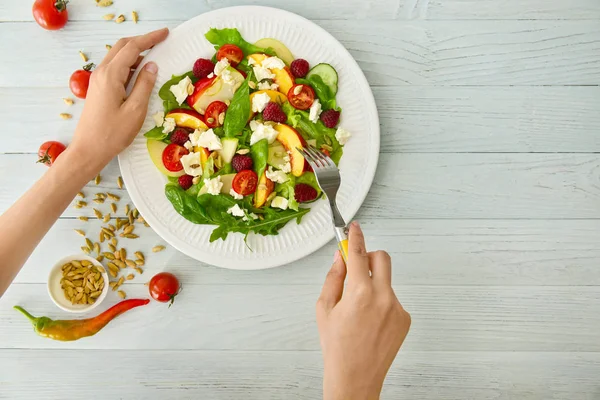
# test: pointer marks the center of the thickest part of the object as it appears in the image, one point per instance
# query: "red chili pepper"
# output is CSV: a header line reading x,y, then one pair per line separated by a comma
x,y
68,330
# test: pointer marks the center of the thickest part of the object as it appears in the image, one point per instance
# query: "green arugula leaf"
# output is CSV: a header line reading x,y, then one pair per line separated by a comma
x,y
169,101
236,116
156,133
219,37
326,97
259,152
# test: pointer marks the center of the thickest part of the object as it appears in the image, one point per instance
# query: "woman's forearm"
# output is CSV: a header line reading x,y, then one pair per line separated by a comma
x,y
24,224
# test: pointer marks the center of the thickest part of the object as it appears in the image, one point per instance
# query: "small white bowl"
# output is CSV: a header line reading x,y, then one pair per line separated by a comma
x,y
56,293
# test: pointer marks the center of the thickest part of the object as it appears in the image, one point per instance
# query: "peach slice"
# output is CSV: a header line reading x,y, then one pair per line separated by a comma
x,y
263,190
187,119
292,141
283,77
212,89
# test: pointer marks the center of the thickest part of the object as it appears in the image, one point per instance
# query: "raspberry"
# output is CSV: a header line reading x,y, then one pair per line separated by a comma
x,y
299,68
180,136
304,193
186,181
273,112
330,118
241,162
203,67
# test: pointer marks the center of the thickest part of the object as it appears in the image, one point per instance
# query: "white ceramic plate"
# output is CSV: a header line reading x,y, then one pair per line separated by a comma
x,y
306,40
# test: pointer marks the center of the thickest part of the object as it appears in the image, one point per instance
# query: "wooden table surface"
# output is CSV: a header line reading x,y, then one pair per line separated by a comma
x,y
487,196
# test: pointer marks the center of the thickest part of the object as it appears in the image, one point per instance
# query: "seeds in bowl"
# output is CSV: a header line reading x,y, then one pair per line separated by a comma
x,y
82,282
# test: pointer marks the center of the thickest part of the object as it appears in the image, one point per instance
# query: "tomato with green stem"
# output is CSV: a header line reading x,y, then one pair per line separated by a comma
x,y
49,152
164,287
79,81
50,14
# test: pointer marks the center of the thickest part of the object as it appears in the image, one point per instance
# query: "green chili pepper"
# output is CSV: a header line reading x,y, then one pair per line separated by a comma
x,y
68,330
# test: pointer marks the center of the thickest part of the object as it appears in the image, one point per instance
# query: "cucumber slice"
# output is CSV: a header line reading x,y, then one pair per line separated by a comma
x,y
327,73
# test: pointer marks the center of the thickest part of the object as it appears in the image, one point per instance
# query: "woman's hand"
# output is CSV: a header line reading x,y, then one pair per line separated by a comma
x,y
362,326
111,120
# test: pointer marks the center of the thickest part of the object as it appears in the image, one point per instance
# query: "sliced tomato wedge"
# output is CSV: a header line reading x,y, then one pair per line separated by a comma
x,y
245,182
231,52
301,96
171,157
212,113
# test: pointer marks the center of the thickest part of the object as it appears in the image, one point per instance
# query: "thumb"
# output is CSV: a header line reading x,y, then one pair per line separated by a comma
x,y
140,95
333,287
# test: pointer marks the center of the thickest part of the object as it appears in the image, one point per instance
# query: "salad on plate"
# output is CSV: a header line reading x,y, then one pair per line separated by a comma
x,y
229,132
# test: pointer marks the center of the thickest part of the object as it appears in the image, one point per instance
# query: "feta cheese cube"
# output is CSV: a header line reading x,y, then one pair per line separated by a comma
x,y
192,164
236,211
251,61
287,167
168,125
261,131
235,194
188,145
280,202
273,63
259,102
277,176
315,111
262,73
267,86
182,90
342,136
221,66
159,118
214,185
206,139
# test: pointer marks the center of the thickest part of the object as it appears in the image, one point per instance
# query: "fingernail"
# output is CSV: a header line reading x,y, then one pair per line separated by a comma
x,y
336,256
151,67
355,224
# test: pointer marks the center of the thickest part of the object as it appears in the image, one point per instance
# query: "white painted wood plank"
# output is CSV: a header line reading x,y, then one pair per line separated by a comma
x,y
506,9
453,186
181,10
291,375
413,119
353,9
413,53
425,252
281,317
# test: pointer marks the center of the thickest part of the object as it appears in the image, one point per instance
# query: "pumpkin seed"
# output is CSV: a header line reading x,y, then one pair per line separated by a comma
x,y
65,115
130,263
120,19
98,213
131,236
112,266
79,295
98,179
120,281
108,46
99,201
108,232
97,248
136,213
100,258
139,270
104,3
108,255
156,249
95,294
123,254
86,249
89,243
113,196
114,241
121,294
109,17
69,283
76,264
140,262
120,263
83,56
81,204
127,209
84,219
113,207
86,263
130,277
80,232
120,182
69,102
139,255
113,249
106,218
102,237
117,254
128,229
112,273
134,17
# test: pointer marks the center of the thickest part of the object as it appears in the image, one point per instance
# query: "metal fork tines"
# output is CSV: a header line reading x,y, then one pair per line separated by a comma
x,y
328,178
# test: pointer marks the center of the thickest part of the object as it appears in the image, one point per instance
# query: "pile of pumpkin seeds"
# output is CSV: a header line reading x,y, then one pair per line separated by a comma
x,y
115,257
82,282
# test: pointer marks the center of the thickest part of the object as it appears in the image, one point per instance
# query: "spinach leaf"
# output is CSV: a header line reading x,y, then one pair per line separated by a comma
x,y
259,152
186,205
156,133
236,116
287,190
326,97
169,101
219,37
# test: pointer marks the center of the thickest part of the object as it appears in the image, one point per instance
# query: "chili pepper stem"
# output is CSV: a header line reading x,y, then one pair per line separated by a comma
x,y
25,313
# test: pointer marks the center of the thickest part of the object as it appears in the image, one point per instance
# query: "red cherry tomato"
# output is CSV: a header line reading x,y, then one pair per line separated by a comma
x,y
50,14
304,99
245,182
49,152
211,115
231,52
164,287
80,81
171,157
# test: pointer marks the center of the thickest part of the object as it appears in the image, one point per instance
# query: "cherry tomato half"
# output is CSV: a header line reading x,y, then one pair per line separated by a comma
x,y
49,152
50,14
301,97
164,287
171,157
211,115
231,52
80,81
245,182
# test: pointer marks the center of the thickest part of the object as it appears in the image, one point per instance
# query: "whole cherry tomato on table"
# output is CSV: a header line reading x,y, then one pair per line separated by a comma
x,y
50,14
231,52
49,152
80,81
164,287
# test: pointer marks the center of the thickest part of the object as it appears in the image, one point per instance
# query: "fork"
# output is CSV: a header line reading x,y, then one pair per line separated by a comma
x,y
328,178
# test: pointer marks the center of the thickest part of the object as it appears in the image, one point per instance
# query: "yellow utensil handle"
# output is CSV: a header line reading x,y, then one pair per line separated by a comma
x,y
342,238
